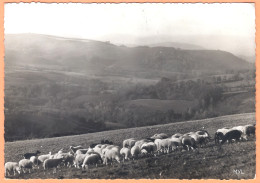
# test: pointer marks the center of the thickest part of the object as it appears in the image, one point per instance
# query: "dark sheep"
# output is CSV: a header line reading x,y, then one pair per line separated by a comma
x,y
29,155
218,136
231,135
188,142
250,130
92,145
106,142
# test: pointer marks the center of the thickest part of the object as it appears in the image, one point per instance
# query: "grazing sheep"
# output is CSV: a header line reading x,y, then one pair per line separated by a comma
x,y
150,148
169,144
25,164
199,137
250,130
220,134
52,163
62,155
93,145
82,151
242,129
92,159
28,155
106,142
158,145
188,142
35,161
74,149
177,143
104,146
139,143
79,159
110,155
231,135
12,167
159,136
135,151
129,142
98,149
144,152
43,157
60,151
68,160
126,153
177,135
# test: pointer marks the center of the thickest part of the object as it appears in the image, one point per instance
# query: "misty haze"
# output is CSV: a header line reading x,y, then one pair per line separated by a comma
x,y
180,88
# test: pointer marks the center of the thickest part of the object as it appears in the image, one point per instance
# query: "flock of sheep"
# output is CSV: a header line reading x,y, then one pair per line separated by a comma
x,y
106,153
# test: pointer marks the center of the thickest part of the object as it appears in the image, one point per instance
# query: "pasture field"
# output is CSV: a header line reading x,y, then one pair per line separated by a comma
x,y
217,162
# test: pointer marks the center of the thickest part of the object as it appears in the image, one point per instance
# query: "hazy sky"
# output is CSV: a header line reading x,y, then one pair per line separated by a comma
x,y
223,26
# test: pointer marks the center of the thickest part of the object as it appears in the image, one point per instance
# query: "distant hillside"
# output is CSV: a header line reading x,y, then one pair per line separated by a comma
x,y
97,57
250,59
184,46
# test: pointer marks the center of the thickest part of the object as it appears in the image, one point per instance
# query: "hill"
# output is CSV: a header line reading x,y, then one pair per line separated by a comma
x,y
183,46
95,57
214,162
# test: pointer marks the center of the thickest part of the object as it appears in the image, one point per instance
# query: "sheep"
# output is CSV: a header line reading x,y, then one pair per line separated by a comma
x,y
135,151
106,142
68,160
12,167
250,130
25,164
98,149
159,136
158,145
35,161
177,135
126,153
90,160
139,143
43,157
129,142
67,157
242,129
188,142
110,155
231,135
60,151
79,159
28,155
150,148
52,163
83,151
74,149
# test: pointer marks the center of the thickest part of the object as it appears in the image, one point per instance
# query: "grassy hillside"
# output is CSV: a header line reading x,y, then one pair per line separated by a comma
x,y
214,162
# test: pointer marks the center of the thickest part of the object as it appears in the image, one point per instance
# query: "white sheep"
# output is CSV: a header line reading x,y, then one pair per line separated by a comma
x,y
43,157
35,161
52,163
92,159
74,149
79,159
110,155
82,151
12,167
26,164
67,157
135,151
60,151
126,153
